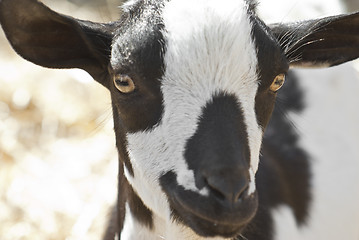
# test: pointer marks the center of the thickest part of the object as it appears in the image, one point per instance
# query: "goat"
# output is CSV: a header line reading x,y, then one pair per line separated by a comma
x,y
193,85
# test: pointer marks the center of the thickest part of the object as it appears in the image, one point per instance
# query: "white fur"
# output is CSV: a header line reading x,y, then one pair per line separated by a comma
x,y
209,50
252,183
330,134
128,228
128,4
133,230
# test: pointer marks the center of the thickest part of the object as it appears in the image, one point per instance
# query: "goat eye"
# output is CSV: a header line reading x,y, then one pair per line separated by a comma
x,y
124,83
277,83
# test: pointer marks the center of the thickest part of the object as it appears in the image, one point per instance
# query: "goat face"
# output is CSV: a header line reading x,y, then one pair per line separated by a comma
x,y
197,145
193,85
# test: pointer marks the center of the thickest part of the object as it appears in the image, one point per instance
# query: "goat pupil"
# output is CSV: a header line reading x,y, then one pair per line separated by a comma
x,y
122,82
279,82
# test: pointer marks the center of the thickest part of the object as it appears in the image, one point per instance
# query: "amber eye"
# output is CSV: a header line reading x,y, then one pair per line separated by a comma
x,y
277,82
124,83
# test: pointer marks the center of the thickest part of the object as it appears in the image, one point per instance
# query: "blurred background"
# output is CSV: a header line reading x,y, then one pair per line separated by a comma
x,y
58,162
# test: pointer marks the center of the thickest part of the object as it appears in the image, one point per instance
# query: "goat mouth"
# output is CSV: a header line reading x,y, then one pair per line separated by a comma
x,y
212,229
208,216
208,228
216,221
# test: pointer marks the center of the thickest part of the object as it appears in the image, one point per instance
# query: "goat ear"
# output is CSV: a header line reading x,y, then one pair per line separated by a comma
x,y
320,43
52,40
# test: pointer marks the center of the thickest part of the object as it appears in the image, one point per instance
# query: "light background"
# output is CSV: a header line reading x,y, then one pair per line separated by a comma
x,y
58,162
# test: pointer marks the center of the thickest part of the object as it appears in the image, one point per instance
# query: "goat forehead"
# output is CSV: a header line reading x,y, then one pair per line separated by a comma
x,y
136,40
206,38
208,43
209,49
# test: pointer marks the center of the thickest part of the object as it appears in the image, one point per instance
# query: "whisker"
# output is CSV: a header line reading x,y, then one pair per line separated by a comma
x,y
243,237
316,27
290,55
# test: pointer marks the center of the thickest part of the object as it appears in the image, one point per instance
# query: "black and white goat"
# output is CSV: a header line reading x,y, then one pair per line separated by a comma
x,y
193,85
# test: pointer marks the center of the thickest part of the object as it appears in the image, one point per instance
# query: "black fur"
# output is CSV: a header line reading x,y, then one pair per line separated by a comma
x,y
139,54
271,62
287,164
327,42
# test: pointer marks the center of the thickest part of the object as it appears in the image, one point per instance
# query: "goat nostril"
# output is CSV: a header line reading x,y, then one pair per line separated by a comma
x,y
231,190
241,194
218,194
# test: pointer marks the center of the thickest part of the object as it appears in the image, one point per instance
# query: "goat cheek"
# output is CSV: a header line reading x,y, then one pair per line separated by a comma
x,y
140,115
264,107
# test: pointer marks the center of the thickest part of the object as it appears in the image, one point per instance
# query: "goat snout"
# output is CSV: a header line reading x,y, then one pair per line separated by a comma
x,y
229,186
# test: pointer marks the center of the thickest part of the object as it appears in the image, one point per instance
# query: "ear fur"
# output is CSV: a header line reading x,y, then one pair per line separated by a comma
x,y
53,40
320,43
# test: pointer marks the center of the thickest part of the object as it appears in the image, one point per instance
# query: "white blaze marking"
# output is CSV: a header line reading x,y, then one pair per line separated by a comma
x,y
252,183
